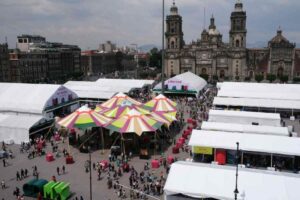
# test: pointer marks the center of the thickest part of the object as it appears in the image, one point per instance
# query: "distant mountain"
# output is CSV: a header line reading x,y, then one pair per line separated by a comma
x,y
147,47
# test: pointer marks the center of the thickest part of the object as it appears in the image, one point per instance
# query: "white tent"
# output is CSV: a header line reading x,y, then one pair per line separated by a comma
x,y
193,82
31,98
243,117
248,142
200,180
90,90
16,127
257,103
124,85
242,128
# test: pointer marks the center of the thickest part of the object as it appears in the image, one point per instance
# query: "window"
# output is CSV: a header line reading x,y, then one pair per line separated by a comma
x,y
203,71
172,45
20,40
237,43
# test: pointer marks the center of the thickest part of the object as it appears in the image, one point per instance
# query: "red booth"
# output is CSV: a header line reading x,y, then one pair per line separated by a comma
x,y
170,160
155,164
104,164
181,140
69,160
49,157
175,150
220,157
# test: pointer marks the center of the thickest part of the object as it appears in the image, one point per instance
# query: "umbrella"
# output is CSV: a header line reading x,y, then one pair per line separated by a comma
x,y
117,100
82,118
134,122
123,109
161,103
100,109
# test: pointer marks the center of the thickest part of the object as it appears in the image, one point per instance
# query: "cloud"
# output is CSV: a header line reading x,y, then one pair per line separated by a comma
x,y
90,22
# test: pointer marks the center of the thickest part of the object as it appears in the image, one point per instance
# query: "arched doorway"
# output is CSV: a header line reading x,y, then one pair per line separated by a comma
x,y
237,43
280,72
222,73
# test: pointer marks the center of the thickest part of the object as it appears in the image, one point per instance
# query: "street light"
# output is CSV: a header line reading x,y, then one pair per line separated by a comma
x,y
137,59
90,166
236,191
163,49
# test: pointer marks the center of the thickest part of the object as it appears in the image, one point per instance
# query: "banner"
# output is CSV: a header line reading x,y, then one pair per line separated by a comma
x,y
202,150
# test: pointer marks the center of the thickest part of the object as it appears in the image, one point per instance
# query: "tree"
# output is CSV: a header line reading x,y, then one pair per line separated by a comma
x,y
284,78
155,58
271,77
259,78
296,79
204,76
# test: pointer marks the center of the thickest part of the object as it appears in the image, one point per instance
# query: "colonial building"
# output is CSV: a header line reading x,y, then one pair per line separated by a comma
x,y
212,58
36,60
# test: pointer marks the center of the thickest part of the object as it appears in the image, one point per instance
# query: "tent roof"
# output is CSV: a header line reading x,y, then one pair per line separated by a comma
x,y
206,180
27,98
243,128
126,84
244,114
259,103
93,90
16,127
192,80
248,142
260,90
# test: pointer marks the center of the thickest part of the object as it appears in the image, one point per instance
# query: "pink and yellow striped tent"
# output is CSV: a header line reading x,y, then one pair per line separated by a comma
x,y
134,122
83,118
117,100
165,118
161,103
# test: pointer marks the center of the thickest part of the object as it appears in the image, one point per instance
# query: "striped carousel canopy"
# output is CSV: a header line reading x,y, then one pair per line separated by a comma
x,y
161,103
82,118
117,100
134,122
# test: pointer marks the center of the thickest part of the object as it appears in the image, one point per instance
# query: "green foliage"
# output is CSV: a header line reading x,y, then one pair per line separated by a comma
x,y
237,78
215,78
155,58
271,77
247,78
204,76
296,79
259,78
284,78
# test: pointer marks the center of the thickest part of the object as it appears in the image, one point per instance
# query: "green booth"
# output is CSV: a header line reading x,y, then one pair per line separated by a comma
x,y
49,192
63,190
33,187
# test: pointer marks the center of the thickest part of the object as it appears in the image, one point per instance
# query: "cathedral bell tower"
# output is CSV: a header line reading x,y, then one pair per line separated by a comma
x,y
238,31
174,34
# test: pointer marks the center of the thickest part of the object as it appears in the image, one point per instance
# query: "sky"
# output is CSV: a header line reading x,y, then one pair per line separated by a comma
x,y
88,23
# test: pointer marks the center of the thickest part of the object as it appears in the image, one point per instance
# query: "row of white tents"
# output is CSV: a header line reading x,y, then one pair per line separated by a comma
x,y
257,132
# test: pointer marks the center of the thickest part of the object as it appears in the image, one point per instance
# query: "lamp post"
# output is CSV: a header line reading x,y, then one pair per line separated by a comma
x,y
236,191
163,49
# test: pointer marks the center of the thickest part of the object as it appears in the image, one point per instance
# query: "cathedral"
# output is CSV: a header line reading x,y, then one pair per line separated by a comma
x,y
212,59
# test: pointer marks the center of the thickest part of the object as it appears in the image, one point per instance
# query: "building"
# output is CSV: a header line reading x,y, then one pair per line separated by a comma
x,y
4,63
37,60
212,58
95,62
107,47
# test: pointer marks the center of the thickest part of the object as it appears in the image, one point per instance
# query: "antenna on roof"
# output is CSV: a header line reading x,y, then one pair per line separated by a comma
x,y
6,39
204,20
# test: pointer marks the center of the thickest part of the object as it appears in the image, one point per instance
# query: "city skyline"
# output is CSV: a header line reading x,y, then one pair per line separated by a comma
x,y
89,23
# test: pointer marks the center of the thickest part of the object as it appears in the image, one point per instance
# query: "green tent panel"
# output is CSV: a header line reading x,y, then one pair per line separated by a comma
x,y
63,190
33,187
49,191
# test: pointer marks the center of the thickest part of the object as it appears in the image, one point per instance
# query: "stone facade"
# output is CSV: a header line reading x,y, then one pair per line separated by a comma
x,y
211,58
4,63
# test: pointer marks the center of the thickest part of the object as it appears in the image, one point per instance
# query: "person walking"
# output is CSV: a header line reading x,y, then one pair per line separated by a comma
x,y
22,174
3,184
18,176
4,162
26,172
57,170
63,169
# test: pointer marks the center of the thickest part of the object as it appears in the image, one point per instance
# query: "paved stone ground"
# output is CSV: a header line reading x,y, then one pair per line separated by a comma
x,y
75,173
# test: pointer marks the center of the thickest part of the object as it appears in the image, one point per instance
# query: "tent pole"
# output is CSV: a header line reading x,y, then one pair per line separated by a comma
x,y
271,160
102,140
